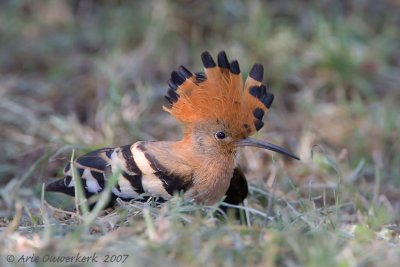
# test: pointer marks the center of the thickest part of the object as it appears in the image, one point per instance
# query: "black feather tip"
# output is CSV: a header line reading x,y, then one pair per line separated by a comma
x,y
172,85
263,89
234,67
177,78
173,95
207,59
223,60
268,99
258,113
255,91
200,77
258,124
257,72
184,72
168,102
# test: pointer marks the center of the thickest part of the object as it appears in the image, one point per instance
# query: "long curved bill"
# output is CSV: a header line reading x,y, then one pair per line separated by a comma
x,y
262,144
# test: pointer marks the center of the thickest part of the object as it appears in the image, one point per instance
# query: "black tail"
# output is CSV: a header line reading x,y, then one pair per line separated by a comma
x,y
59,186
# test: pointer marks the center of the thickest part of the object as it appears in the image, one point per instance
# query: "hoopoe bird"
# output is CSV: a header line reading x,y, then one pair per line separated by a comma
x,y
218,115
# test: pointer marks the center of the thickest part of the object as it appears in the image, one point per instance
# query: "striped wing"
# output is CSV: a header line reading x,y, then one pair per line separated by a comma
x,y
138,171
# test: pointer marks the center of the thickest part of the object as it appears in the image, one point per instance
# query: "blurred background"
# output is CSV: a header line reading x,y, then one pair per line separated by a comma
x,y
87,74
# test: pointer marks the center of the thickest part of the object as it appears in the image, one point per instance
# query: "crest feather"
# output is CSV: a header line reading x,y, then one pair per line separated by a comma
x,y
218,94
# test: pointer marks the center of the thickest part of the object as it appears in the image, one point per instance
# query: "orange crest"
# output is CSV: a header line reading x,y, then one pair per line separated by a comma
x,y
218,94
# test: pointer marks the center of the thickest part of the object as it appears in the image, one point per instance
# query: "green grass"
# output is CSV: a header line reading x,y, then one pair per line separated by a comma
x,y
76,76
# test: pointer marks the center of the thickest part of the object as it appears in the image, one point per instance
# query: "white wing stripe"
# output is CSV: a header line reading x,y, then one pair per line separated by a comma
x,y
91,183
141,160
153,185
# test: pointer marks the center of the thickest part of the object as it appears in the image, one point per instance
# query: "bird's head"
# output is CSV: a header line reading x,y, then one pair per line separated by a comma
x,y
220,115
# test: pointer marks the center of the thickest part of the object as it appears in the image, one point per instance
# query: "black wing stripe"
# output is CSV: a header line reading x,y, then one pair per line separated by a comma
x,y
173,183
80,171
135,181
99,177
99,151
92,161
154,164
109,153
130,161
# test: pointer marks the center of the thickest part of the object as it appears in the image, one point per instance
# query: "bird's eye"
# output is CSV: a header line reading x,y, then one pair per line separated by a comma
x,y
220,135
